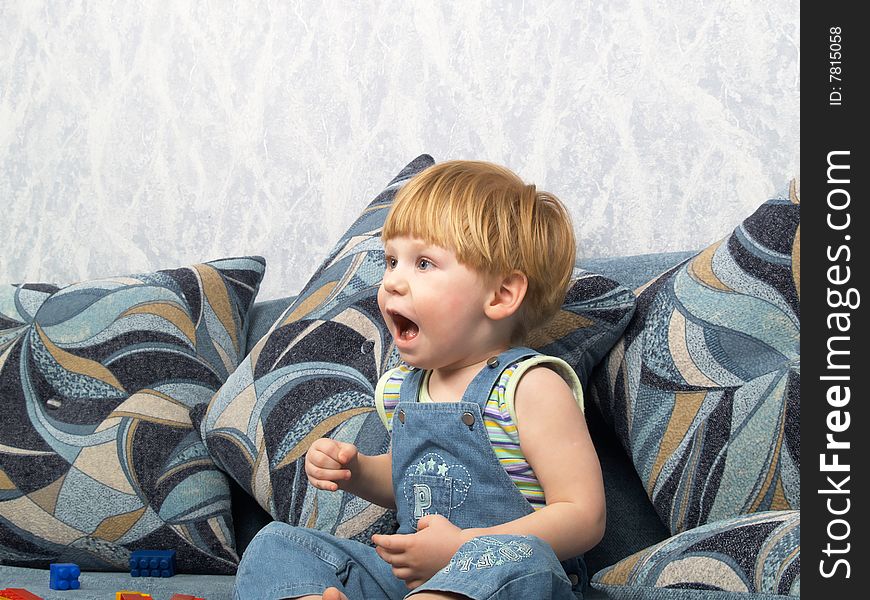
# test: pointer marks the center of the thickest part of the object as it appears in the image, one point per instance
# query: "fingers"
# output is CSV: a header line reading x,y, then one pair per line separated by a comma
x,y
346,452
391,543
325,474
325,462
339,453
326,470
324,484
398,563
392,549
404,573
430,520
394,559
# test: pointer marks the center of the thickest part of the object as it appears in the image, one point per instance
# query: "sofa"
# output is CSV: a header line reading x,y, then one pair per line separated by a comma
x,y
172,410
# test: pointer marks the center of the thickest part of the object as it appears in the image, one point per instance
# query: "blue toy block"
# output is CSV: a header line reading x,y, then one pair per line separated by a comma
x,y
152,563
64,576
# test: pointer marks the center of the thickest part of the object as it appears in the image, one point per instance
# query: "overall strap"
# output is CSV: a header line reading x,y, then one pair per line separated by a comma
x,y
409,392
479,389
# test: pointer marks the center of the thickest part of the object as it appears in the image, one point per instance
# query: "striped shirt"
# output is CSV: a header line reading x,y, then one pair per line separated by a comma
x,y
499,416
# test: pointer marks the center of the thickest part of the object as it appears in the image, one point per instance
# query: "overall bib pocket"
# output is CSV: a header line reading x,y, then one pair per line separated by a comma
x,y
428,495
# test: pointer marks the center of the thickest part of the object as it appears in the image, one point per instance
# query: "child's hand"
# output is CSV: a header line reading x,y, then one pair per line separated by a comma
x,y
416,557
328,463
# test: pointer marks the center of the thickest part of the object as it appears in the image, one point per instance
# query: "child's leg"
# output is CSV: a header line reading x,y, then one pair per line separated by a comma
x,y
283,561
500,567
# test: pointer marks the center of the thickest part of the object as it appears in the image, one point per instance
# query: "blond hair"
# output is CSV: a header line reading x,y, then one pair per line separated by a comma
x,y
495,224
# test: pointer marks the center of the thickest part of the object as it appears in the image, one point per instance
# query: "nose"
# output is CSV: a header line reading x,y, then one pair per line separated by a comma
x,y
395,282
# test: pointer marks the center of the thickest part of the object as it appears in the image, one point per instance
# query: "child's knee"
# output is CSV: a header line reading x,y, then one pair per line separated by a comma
x,y
280,539
487,551
486,566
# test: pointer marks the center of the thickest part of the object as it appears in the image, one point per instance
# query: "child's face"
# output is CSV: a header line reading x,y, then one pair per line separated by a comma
x,y
433,305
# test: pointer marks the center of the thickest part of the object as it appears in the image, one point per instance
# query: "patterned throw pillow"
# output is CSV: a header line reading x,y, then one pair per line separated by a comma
x,y
757,554
18,304
704,387
595,313
98,456
315,372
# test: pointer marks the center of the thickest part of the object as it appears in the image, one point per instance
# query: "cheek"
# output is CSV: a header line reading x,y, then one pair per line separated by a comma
x,y
382,297
456,307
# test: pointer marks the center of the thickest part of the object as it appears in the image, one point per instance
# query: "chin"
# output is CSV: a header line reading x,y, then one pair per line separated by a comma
x,y
415,361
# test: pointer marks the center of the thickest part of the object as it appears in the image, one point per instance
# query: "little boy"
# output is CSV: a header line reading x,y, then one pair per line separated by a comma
x,y
491,469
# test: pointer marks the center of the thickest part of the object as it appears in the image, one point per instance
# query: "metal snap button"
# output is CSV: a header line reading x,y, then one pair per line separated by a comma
x,y
492,362
574,578
402,417
468,419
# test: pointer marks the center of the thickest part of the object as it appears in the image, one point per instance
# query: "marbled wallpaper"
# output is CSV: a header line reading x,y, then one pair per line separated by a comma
x,y
138,134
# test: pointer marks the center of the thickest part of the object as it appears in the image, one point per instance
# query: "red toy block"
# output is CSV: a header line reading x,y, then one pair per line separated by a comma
x,y
132,596
18,594
185,597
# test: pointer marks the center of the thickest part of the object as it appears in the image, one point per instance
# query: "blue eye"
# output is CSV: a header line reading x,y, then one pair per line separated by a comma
x,y
424,264
391,262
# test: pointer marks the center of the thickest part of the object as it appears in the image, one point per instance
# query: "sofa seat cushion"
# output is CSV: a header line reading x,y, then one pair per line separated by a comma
x,y
751,556
104,586
98,455
703,389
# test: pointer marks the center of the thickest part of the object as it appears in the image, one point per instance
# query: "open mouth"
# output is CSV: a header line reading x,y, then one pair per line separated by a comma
x,y
406,329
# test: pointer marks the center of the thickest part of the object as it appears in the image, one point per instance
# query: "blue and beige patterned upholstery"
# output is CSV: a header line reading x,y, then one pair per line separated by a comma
x,y
98,455
313,374
703,389
594,314
757,554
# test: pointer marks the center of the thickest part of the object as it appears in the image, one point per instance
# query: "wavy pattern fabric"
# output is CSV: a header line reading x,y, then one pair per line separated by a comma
x,y
594,315
756,554
313,374
315,371
98,456
18,305
704,387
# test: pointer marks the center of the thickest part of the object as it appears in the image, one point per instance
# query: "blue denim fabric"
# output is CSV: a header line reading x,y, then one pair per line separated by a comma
x,y
443,464
283,561
504,567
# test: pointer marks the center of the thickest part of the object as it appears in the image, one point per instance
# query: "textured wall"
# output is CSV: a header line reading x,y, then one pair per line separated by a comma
x,y
137,135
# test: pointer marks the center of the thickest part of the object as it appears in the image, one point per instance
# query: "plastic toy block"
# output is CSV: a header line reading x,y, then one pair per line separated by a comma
x,y
18,594
152,563
185,597
123,595
64,576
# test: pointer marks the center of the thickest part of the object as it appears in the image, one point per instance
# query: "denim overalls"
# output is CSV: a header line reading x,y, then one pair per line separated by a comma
x,y
443,464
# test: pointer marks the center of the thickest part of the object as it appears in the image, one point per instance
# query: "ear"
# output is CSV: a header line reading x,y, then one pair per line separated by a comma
x,y
508,296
